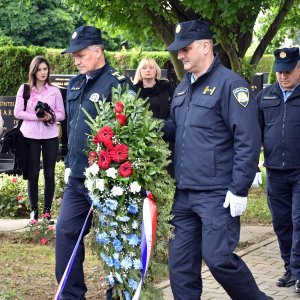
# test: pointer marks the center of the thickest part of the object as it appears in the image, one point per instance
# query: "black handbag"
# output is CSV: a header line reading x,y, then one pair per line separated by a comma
x,y
13,153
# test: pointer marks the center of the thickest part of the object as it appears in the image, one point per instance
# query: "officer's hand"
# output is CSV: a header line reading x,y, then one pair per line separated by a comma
x,y
257,180
67,174
237,204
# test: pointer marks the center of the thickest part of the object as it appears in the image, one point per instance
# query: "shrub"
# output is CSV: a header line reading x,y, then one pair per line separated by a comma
x,y
13,196
40,232
265,63
14,65
13,193
272,76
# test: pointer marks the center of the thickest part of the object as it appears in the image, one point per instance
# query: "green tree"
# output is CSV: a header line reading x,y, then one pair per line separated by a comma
x,y
288,29
232,22
37,22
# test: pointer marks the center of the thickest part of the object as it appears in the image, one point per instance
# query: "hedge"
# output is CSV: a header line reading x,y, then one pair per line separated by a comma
x,y
14,64
15,61
265,63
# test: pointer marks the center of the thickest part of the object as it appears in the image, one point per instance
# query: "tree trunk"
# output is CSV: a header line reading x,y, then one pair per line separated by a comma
x,y
166,33
271,32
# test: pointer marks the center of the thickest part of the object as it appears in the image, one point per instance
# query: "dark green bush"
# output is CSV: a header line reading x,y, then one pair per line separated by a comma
x,y
265,63
15,61
272,76
14,64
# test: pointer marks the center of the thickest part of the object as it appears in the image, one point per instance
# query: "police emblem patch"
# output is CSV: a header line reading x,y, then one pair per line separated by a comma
x,y
94,97
74,35
178,28
241,94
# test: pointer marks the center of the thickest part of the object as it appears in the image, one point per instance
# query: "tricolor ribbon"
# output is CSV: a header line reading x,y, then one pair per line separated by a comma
x,y
65,276
148,237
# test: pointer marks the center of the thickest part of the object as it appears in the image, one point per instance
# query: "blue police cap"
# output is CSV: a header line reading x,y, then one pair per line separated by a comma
x,y
83,37
187,32
286,59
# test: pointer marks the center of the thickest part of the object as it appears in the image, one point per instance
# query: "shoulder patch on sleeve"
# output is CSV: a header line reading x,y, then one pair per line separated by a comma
x,y
241,94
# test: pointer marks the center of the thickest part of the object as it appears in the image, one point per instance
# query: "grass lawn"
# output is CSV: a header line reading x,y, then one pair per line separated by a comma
x,y
27,269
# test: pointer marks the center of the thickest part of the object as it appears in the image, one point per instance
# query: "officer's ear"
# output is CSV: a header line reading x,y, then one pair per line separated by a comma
x,y
206,45
99,51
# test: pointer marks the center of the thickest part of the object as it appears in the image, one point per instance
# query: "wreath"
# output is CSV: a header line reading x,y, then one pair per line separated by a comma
x,y
132,193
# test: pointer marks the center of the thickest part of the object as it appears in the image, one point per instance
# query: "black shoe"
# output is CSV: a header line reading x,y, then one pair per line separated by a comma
x,y
297,286
286,280
34,216
270,298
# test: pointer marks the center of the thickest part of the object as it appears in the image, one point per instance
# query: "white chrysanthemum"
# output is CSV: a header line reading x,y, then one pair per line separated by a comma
x,y
117,191
100,184
112,173
135,187
94,169
89,183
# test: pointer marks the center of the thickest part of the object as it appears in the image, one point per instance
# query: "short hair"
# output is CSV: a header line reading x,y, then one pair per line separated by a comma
x,y
146,61
33,69
100,46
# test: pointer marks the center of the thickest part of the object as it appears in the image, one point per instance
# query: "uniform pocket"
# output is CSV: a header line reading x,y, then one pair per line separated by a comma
x,y
203,113
221,235
177,108
271,110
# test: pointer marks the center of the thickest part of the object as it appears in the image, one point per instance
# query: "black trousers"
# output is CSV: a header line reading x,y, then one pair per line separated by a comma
x,y
283,188
49,149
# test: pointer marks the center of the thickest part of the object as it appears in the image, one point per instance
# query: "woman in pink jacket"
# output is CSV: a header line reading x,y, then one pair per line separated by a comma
x,y
44,107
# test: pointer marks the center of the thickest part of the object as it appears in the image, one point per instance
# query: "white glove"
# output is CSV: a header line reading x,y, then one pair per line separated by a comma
x,y
237,204
257,180
67,174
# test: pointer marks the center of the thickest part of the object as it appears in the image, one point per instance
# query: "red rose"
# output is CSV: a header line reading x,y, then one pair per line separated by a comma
x,y
35,232
44,241
119,107
104,160
51,228
109,144
121,118
19,197
14,180
92,157
125,169
119,153
104,134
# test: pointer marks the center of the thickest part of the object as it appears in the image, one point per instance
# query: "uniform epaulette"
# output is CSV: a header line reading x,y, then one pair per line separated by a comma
x,y
117,75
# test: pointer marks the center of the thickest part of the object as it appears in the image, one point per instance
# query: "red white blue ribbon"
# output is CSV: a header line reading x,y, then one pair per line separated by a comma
x,y
148,237
64,278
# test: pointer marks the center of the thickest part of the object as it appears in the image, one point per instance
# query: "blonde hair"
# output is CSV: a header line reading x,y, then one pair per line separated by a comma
x,y
144,62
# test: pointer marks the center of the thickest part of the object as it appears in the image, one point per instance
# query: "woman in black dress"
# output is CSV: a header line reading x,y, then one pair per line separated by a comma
x,y
158,92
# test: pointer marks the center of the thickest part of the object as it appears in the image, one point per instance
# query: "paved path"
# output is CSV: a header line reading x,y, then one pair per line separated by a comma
x,y
264,261
262,257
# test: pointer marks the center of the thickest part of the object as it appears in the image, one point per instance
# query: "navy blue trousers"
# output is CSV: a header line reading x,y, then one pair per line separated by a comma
x,y
204,230
284,201
74,209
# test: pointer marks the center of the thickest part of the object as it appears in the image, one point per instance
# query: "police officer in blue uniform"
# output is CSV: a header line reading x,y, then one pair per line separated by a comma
x,y
279,113
214,123
93,84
